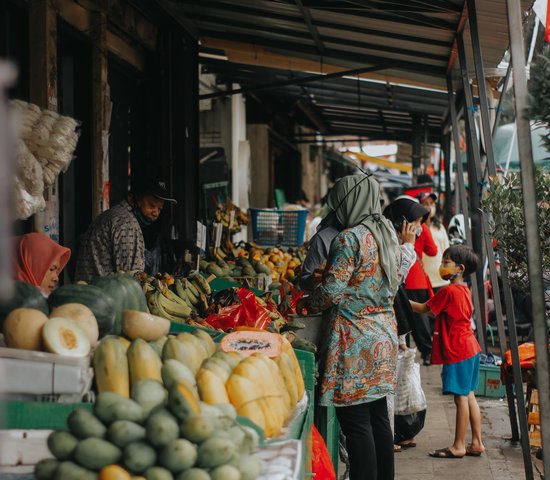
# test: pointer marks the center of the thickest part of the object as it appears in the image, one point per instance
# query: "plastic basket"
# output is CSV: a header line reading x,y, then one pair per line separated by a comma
x,y
278,227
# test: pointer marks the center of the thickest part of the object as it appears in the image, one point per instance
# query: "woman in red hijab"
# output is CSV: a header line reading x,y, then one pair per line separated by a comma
x,y
39,261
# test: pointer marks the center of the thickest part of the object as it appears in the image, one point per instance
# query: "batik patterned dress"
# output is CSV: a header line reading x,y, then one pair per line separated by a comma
x,y
359,353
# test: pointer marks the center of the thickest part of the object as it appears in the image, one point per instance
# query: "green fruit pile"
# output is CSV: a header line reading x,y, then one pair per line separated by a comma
x,y
151,436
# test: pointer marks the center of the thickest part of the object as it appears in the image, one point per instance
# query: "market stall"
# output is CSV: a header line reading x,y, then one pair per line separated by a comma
x,y
110,354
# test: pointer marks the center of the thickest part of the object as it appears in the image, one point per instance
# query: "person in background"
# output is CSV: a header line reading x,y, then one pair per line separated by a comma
x,y
440,237
456,347
358,355
114,241
418,287
402,210
39,261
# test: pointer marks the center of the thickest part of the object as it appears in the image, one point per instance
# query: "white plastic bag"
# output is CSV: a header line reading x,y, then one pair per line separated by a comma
x,y
409,397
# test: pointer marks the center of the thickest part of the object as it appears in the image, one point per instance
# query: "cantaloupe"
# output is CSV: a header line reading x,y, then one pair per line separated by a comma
x,y
23,328
65,337
82,316
136,324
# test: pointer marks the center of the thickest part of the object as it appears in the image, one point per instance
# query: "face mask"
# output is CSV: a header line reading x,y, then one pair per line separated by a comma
x,y
418,231
141,218
447,273
432,211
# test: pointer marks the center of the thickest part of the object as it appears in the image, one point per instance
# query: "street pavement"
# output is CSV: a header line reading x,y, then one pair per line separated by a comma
x,y
501,461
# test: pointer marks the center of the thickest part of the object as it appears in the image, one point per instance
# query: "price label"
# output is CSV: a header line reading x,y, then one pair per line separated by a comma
x,y
201,236
218,228
231,218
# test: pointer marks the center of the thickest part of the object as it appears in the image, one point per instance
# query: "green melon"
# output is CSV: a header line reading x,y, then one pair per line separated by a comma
x,y
178,455
216,451
150,394
95,453
62,444
162,428
110,406
124,432
83,424
45,469
138,457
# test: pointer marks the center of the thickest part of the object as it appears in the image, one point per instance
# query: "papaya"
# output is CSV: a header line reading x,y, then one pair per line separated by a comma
x,y
138,457
178,455
157,345
158,473
298,376
229,359
248,342
215,452
173,371
219,367
111,367
68,470
182,352
110,407
124,432
45,469
96,453
196,428
62,444
183,401
287,371
150,394
199,346
162,428
211,387
143,362
83,424
206,339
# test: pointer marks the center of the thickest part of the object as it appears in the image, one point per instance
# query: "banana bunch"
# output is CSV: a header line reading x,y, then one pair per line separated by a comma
x,y
180,304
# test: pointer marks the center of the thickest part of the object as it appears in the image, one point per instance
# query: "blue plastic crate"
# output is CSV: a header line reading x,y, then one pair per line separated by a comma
x,y
278,227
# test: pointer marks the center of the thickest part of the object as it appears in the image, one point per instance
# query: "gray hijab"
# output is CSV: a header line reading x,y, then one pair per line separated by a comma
x,y
355,200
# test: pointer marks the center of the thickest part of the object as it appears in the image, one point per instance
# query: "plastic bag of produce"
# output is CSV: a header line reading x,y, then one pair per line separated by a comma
x,y
248,313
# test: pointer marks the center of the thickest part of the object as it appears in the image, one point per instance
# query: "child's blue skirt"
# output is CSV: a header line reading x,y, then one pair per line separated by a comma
x,y
461,378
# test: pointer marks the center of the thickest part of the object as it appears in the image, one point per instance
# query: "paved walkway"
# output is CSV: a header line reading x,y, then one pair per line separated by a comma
x,y
502,460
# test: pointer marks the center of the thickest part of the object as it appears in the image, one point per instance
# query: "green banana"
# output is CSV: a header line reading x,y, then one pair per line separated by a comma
x,y
174,308
156,308
190,287
186,284
201,283
181,291
170,295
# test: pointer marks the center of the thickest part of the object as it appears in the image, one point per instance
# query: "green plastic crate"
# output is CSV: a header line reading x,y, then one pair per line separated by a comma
x,y
37,415
327,425
490,384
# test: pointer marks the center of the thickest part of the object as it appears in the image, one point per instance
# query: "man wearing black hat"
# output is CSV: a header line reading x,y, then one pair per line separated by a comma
x,y
114,241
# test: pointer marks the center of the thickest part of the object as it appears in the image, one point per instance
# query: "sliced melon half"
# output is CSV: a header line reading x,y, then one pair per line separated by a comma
x,y
82,316
64,337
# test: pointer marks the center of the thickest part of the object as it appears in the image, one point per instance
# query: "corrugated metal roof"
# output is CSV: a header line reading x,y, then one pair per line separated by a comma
x,y
411,42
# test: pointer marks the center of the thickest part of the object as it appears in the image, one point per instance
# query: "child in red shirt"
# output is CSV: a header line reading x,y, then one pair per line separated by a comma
x,y
456,347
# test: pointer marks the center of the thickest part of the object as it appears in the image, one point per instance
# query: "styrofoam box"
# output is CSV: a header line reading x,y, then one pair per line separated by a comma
x,y
40,373
23,447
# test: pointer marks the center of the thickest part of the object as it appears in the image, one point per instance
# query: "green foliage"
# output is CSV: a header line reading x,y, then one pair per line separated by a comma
x,y
539,101
505,203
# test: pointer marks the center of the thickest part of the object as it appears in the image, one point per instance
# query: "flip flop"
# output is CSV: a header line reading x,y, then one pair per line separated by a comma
x,y
473,453
444,453
397,448
407,445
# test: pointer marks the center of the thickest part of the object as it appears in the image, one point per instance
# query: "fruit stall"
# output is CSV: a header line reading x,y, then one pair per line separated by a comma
x,y
158,377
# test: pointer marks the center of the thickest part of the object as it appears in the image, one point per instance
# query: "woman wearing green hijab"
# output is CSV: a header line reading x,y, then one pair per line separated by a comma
x,y
358,357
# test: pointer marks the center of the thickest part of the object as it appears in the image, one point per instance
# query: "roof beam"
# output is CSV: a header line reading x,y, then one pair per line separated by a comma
x,y
459,29
310,26
245,8
442,6
212,23
289,47
294,81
